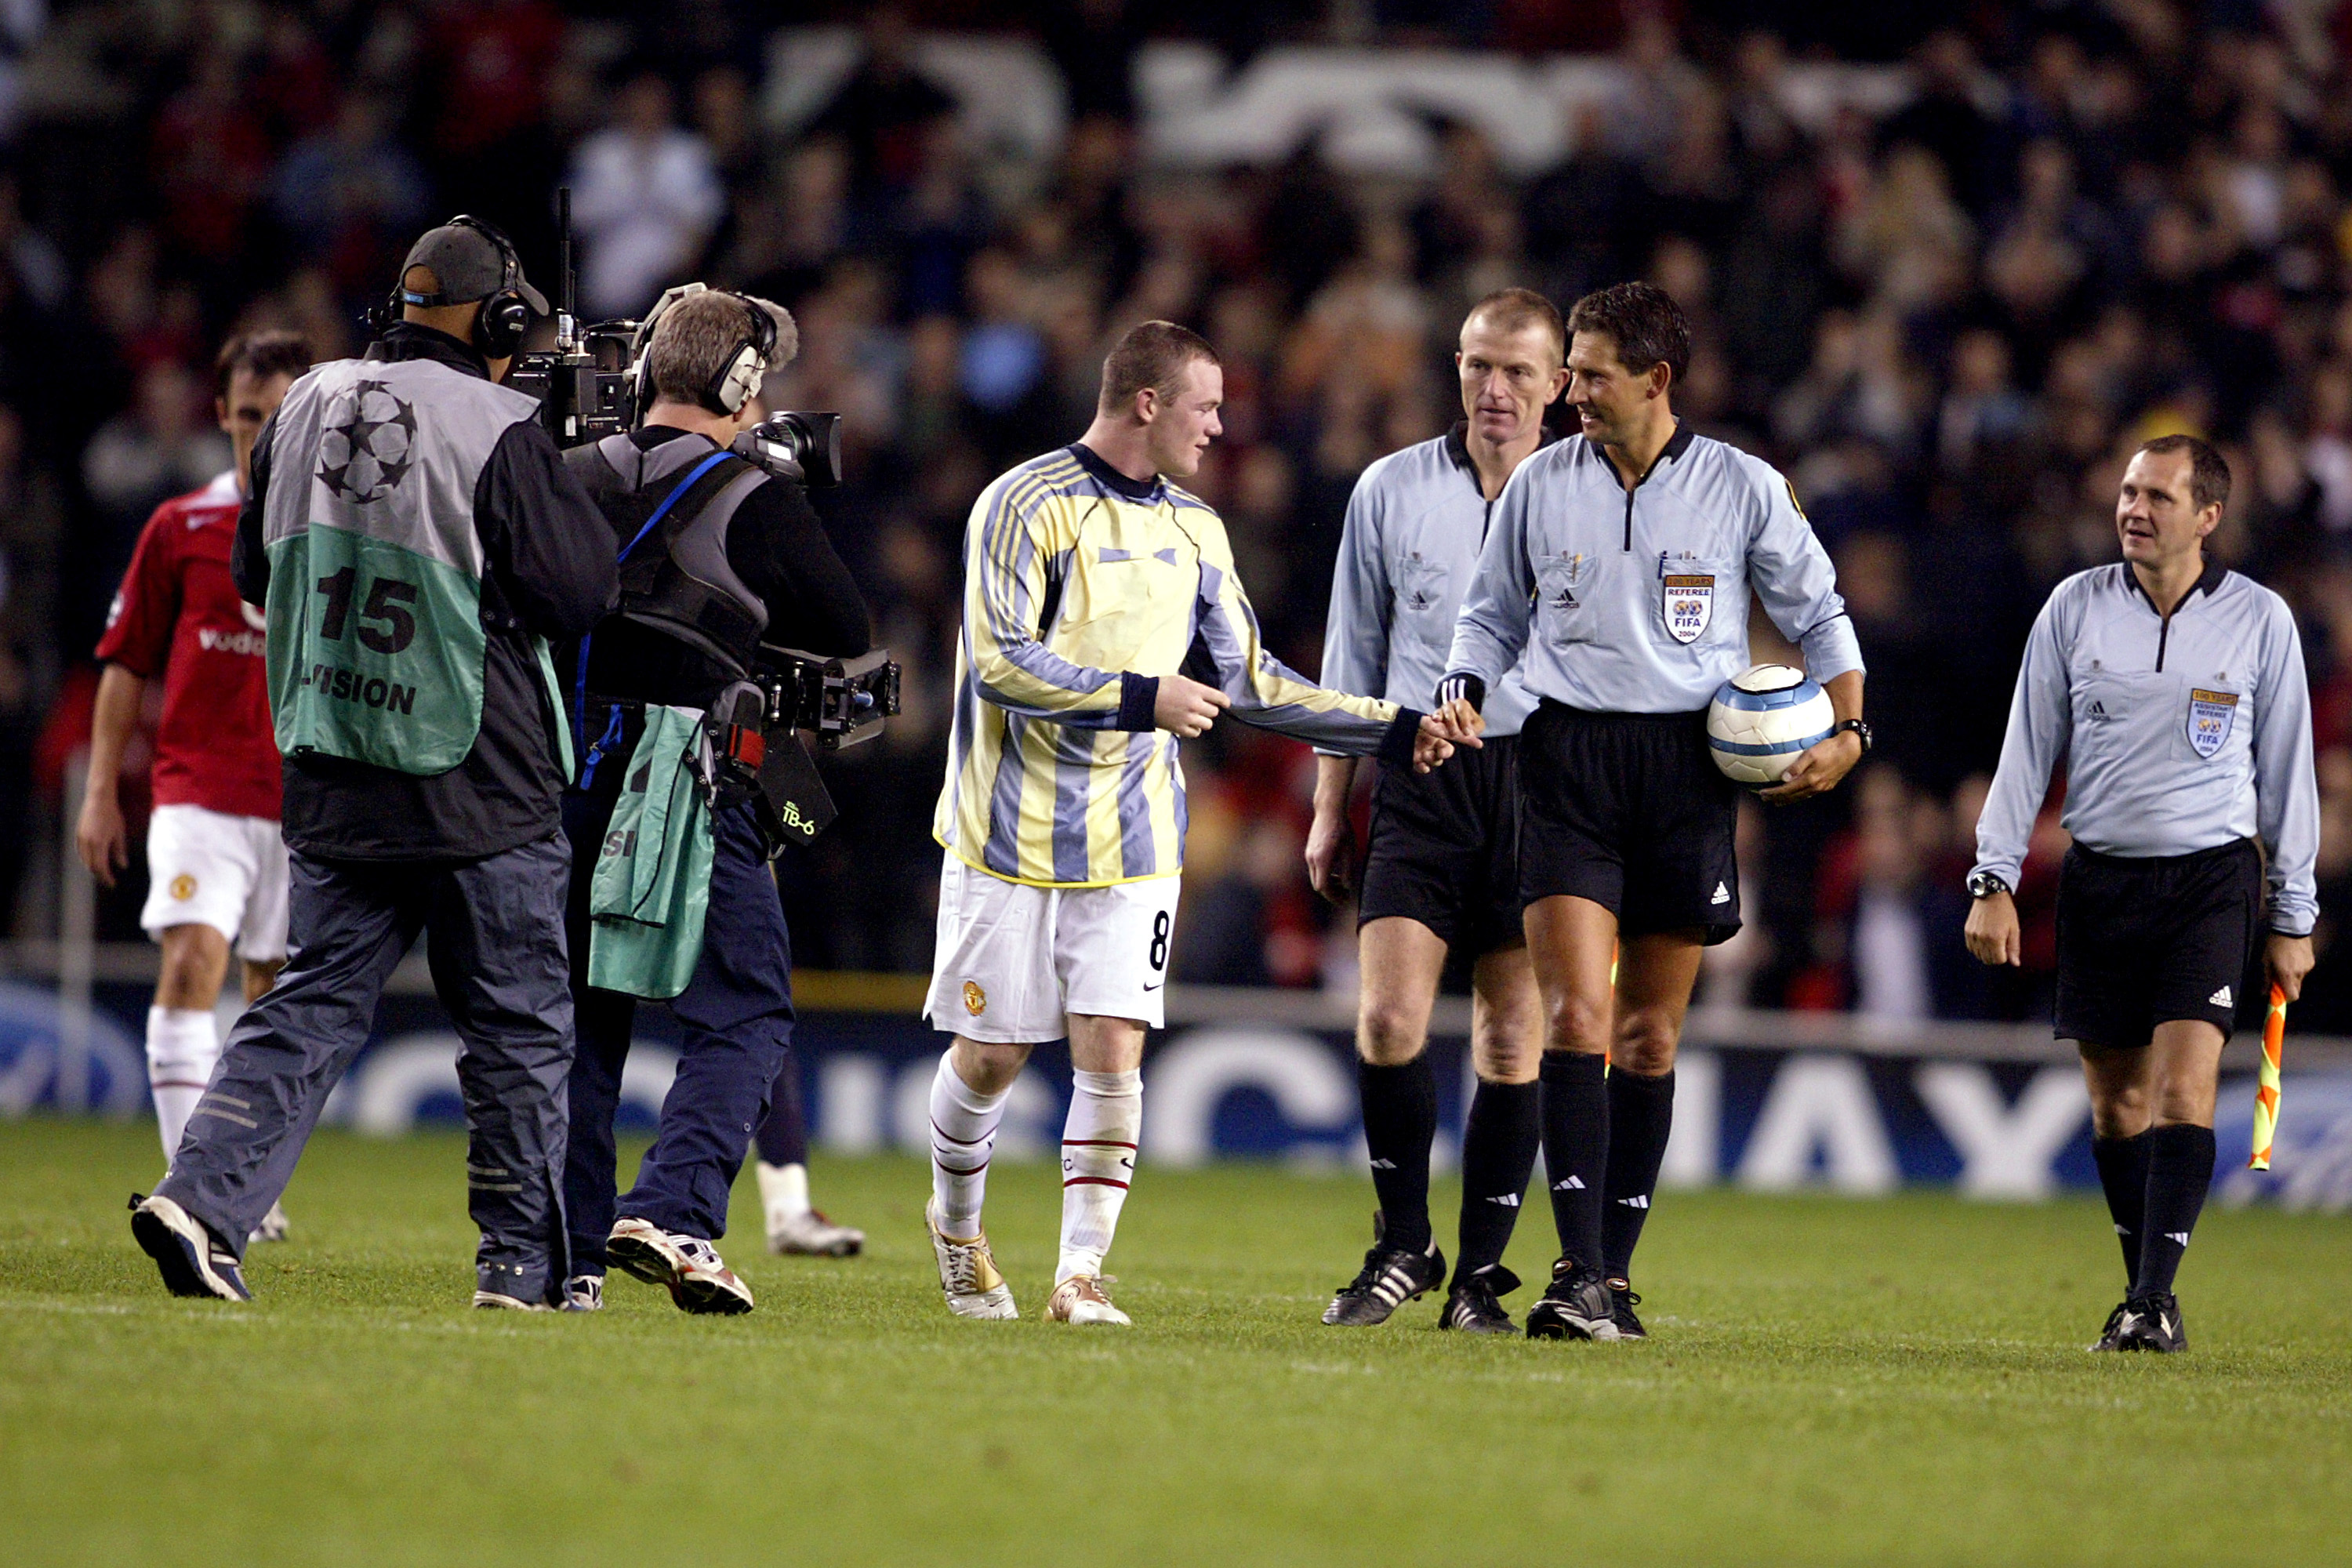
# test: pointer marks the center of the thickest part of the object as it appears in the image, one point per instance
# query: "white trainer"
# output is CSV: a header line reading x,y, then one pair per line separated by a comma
x,y
697,1278
274,1227
967,1272
809,1234
1080,1299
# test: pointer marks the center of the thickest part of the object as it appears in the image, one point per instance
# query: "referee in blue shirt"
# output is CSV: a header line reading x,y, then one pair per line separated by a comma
x,y
1620,563
2175,690
1440,872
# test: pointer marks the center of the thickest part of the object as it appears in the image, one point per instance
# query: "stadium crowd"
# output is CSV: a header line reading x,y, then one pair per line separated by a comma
x,y
2078,224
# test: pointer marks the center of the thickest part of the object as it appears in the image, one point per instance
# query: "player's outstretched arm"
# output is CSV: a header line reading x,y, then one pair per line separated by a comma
x,y
1266,694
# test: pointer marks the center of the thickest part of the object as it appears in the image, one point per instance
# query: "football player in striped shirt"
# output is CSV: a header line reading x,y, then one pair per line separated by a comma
x,y
1092,583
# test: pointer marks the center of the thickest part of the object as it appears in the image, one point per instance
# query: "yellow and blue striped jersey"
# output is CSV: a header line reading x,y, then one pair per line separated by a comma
x,y
1082,588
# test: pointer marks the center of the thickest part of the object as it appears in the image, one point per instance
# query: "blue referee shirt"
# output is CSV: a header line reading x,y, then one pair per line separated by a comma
x,y
2179,735
1636,601
1415,524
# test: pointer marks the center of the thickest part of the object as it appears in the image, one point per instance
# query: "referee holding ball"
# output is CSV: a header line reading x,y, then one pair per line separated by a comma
x,y
2175,690
1620,562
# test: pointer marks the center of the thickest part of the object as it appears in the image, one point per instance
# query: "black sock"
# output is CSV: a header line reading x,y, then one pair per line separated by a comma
x,y
1576,1149
1400,1119
2123,1173
1641,1114
2179,1170
1498,1155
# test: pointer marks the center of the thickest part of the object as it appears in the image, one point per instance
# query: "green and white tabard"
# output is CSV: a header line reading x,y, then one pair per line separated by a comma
x,y
376,643
649,896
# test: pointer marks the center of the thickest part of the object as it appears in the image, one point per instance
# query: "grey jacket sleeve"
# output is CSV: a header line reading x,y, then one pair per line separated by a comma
x,y
1355,632
1492,629
2286,787
1791,573
2041,717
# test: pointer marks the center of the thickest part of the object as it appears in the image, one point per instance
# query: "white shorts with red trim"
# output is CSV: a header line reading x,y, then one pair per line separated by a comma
x,y
207,867
1013,961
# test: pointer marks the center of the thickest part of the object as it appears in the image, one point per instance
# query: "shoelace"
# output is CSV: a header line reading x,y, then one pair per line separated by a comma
x,y
963,1264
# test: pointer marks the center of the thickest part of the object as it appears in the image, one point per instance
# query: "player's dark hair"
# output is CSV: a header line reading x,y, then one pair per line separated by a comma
x,y
1643,321
1152,354
261,355
1513,309
2208,471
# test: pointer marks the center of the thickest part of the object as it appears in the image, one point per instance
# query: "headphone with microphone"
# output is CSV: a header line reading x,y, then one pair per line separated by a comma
x,y
505,315
737,379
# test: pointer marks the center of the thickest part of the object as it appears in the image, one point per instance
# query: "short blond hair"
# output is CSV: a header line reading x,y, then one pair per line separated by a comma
x,y
696,337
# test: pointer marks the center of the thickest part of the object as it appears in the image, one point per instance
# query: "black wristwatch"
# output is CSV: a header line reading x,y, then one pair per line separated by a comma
x,y
1985,884
1859,728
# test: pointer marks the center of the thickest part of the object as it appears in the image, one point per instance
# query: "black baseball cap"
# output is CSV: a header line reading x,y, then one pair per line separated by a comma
x,y
473,260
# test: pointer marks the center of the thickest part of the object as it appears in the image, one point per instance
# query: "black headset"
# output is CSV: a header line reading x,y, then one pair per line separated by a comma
x,y
506,317
737,380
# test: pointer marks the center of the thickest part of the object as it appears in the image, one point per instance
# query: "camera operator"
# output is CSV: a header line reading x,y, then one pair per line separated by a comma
x,y
688,517
415,541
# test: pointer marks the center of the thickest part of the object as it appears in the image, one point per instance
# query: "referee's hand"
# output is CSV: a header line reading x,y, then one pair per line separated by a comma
x,y
1817,770
2288,959
1992,934
1186,708
1331,854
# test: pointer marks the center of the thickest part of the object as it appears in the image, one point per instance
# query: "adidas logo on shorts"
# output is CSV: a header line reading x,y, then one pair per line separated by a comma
x,y
1722,895
2221,998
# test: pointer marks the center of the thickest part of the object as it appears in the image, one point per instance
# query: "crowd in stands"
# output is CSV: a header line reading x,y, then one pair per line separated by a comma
x,y
2079,223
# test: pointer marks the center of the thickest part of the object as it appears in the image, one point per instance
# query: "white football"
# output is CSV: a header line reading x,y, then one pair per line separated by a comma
x,y
1762,718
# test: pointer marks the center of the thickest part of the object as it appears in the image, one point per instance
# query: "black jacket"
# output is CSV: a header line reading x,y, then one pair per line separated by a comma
x,y
778,547
547,569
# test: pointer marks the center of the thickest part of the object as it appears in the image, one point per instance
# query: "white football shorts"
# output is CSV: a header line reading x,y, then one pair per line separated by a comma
x,y
1013,961
207,867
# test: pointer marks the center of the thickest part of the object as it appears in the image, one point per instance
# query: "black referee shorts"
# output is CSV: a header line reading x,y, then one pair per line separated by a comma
x,y
1629,811
2143,941
1445,849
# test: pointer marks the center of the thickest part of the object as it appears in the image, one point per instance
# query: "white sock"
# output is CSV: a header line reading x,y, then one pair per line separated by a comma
x,y
182,1046
1098,1162
963,1135
783,1192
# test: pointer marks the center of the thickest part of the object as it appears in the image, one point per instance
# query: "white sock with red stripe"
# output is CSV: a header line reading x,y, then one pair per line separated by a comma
x,y
183,1045
963,1135
1098,1162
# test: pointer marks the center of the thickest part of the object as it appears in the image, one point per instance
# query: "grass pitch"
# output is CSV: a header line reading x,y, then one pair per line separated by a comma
x,y
1829,1381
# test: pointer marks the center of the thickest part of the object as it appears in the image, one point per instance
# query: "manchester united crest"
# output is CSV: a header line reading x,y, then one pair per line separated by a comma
x,y
975,1000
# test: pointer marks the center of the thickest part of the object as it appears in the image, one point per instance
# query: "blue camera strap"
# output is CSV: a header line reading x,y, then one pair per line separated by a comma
x,y
580,676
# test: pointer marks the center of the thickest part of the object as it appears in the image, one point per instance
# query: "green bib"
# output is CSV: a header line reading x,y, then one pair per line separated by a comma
x,y
379,658
376,643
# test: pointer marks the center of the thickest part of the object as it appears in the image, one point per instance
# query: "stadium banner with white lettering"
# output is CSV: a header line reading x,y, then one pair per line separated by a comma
x,y
1774,1102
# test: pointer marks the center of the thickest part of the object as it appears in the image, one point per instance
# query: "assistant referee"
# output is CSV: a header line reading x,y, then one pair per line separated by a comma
x,y
2175,690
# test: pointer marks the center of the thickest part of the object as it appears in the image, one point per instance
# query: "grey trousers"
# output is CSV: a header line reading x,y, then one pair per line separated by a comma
x,y
497,952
